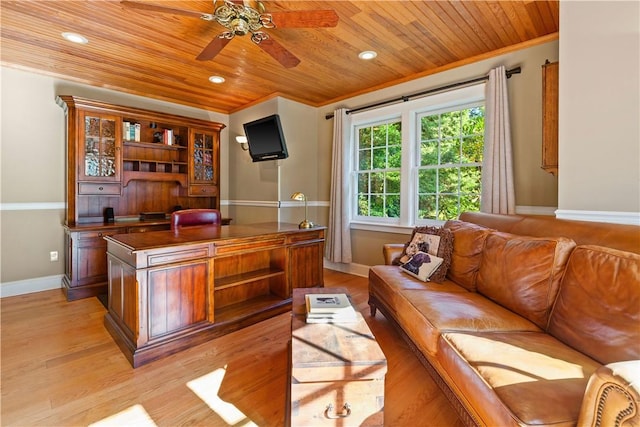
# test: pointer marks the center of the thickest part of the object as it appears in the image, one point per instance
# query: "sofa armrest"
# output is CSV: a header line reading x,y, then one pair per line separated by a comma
x,y
612,396
392,251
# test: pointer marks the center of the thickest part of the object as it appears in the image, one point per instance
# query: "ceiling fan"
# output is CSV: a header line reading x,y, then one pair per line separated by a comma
x,y
240,19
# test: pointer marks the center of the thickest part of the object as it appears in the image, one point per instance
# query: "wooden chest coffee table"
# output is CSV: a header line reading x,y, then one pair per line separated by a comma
x,y
337,370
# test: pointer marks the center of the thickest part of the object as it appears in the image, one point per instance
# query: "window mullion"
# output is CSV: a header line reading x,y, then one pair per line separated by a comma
x,y
408,180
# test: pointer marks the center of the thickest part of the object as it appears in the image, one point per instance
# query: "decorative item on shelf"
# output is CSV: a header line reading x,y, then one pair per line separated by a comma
x,y
131,131
109,215
242,140
168,136
158,137
302,198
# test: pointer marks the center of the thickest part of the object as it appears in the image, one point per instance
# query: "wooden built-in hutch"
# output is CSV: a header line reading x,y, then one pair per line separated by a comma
x,y
143,165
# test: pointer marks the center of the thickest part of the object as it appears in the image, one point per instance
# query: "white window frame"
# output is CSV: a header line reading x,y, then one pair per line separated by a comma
x,y
408,113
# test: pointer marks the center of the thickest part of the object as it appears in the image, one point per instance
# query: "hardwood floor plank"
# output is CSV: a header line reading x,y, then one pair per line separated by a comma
x,y
80,377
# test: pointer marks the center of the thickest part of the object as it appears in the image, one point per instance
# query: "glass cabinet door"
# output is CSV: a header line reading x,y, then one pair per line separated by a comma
x,y
204,169
100,148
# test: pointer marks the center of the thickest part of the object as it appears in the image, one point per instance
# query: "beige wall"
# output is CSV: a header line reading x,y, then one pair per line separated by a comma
x,y
599,108
261,191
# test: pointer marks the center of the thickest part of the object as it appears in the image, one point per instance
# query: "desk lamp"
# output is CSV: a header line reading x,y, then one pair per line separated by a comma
x,y
301,197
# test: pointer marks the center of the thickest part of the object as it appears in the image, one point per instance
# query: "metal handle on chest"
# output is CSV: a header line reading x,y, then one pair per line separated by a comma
x,y
345,414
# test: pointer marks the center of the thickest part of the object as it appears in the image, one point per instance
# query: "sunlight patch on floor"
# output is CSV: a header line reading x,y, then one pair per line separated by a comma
x,y
133,416
207,387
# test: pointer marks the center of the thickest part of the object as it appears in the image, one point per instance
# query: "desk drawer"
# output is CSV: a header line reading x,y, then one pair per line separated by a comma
x,y
99,189
307,236
338,403
203,190
247,245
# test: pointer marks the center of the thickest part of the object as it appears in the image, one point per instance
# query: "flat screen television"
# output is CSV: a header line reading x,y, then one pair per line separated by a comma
x,y
266,139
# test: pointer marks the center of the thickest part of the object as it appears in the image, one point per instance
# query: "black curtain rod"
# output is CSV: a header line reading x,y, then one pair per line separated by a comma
x,y
406,98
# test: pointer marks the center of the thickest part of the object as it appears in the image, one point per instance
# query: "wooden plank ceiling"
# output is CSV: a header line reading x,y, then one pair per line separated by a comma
x,y
153,54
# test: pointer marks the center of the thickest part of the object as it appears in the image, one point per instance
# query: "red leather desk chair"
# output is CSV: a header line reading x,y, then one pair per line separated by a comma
x,y
193,217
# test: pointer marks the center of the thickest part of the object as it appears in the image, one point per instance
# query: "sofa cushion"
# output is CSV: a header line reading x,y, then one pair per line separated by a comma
x,y
517,378
432,313
385,281
523,273
432,240
598,307
468,241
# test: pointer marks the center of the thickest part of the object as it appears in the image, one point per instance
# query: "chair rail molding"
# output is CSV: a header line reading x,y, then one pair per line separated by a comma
x,y
33,206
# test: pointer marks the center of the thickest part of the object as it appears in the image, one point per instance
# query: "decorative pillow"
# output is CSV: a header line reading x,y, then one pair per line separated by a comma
x,y
422,265
436,241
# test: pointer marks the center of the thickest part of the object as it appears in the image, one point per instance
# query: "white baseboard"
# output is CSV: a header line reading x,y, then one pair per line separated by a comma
x,y
28,286
352,268
632,218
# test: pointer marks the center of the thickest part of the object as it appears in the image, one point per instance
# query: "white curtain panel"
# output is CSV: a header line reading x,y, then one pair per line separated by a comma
x,y
338,247
498,194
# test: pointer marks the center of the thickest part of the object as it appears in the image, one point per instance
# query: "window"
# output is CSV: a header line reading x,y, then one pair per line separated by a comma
x,y
419,162
378,174
450,163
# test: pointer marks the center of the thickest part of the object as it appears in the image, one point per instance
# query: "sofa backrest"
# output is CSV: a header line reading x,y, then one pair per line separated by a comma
x,y
523,273
597,310
624,237
468,242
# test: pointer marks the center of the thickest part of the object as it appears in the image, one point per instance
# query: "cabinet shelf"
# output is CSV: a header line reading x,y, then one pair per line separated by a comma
x,y
149,165
154,145
240,279
250,308
129,176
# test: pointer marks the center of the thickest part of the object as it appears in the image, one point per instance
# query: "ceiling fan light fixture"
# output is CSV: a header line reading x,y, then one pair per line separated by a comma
x,y
240,19
216,79
367,55
240,26
75,38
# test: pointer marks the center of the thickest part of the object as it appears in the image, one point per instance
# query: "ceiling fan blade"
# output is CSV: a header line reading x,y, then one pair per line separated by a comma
x,y
279,53
305,18
162,9
213,48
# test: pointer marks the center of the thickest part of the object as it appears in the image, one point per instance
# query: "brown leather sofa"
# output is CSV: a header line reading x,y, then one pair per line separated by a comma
x,y
537,323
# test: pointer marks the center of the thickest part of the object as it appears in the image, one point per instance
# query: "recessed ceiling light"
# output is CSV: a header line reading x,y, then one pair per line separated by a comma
x,y
367,54
216,79
75,38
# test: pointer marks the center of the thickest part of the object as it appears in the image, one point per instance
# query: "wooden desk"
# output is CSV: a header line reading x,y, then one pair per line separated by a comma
x,y
169,291
337,371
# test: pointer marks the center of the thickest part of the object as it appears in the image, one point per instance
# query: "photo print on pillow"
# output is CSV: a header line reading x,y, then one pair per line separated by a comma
x,y
422,265
436,241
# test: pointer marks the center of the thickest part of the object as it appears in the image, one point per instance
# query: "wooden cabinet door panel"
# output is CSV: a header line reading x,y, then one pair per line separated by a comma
x,y
99,142
204,162
305,265
123,291
89,257
178,297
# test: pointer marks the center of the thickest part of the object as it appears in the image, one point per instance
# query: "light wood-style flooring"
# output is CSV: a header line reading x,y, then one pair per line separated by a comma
x,y
60,367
